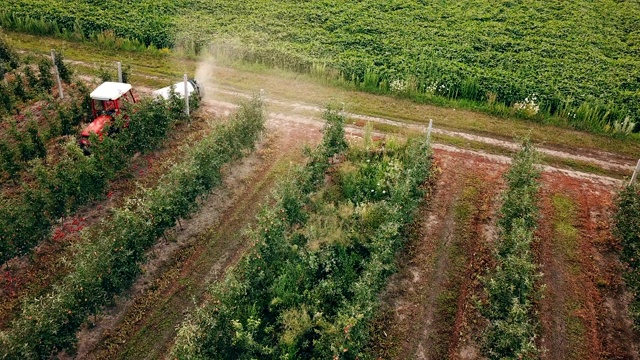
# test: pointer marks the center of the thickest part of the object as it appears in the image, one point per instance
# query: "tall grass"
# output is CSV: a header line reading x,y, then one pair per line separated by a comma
x,y
106,38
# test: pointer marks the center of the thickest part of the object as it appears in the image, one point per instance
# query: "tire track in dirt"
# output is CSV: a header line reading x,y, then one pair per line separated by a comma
x,y
584,309
417,321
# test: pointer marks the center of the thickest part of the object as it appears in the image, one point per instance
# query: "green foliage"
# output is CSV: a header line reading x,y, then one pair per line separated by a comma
x,y
9,59
126,72
18,88
6,101
39,149
111,254
46,79
333,141
64,71
9,160
105,74
576,60
626,228
309,286
510,287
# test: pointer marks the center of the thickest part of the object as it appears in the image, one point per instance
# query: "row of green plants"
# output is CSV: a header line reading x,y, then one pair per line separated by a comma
x,y
57,189
321,252
627,229
73,30
110,256
511,287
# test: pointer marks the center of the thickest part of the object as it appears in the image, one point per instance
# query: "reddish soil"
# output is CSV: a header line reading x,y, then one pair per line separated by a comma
x,y
411,318
583,311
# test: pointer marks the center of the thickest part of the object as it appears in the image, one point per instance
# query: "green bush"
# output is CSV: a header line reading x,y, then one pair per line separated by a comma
x,y
46,79
9,59
63,70
510,287
626,228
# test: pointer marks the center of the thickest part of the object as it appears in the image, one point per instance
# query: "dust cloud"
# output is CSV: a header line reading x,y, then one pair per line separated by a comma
x,y
205,77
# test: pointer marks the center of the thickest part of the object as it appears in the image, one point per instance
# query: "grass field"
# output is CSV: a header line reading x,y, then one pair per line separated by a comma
x,y
578,61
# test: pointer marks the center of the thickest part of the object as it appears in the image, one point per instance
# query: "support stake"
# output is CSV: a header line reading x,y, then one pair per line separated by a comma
x,y
119,71
429,129
55,70
635,173
186,95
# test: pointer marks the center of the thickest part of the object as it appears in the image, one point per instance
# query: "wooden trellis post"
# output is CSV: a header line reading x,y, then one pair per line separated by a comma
x,y
635,173
55,70
186,96
119,71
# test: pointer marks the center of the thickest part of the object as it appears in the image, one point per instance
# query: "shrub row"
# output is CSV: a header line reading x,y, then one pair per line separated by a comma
x,y
510,287
57,190
309,286
106,36
109,259
627,229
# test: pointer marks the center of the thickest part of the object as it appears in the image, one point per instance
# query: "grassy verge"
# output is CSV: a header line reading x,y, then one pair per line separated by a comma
x,y
565,243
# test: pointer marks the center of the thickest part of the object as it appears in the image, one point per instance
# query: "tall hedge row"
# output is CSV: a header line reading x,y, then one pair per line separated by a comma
x,y
510,287
626,227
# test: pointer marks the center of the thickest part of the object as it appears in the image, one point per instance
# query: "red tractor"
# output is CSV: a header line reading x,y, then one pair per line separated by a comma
x,y
106,103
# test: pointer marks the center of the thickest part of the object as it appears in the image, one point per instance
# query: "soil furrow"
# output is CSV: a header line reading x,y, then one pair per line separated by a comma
x,y
427,306
583,308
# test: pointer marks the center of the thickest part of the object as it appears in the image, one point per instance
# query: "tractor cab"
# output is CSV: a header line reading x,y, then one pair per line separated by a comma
x,y
107,101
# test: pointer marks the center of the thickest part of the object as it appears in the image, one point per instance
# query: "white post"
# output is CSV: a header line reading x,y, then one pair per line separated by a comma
x,y
635,173
429,130
119,71
55,70
186,95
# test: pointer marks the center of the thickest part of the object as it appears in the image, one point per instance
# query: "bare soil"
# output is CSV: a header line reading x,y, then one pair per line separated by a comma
x,y
583,311
412,324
